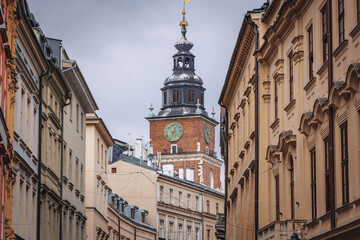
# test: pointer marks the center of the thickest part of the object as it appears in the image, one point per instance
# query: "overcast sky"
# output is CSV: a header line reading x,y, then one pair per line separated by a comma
x,y
124,49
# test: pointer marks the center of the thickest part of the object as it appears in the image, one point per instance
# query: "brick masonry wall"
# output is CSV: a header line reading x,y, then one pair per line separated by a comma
x,y
193,133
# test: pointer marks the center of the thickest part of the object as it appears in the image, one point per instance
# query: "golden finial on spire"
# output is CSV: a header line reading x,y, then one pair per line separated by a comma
x,y
184,23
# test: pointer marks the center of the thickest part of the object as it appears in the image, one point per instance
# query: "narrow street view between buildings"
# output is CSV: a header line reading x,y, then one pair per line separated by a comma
x,y
131,146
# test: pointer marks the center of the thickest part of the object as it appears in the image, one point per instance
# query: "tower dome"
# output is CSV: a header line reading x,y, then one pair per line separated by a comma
x,y
183,91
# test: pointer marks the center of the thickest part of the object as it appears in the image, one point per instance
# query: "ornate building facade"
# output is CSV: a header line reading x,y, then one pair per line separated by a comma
x,y
308,73
182,134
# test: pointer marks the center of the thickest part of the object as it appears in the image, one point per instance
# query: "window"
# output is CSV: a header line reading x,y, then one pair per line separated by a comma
x,y
324,33
197,234
181,173
277,197
217,208
276,100
161,193
171,230
208,234
345,163
132,213
191,97
77,117
313,183
311,52
207,206
341,21
291,77
102,156
197,203
174,149
180,199
176,96
165,100
188,200
171,196
82,124
327,175
180,232
161,228
113,170
188,235
98,150
292,187
358,11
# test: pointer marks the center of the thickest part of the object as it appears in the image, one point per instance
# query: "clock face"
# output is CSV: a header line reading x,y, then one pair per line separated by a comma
x,y
173,131
207,133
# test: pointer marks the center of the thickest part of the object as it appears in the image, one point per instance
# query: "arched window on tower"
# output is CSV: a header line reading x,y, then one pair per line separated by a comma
x,y
191,97
176,96
180,62
187,62
211,180
164,96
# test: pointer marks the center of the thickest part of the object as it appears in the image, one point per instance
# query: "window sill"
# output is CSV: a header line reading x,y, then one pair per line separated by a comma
x,y
290,106
344,207
340,49
322,68
310,84
275,124
355,32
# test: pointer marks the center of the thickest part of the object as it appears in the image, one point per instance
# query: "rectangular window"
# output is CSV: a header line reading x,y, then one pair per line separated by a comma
x,y
197,203
180,199
327,175
291,77
82,124
113,170
345,163
358,11
171,196
180,232
197,234
188,235
276,100
217,208
98,150
132,212
341,20
161,193
208,206
77,117
188,200
324,33
313,183
161,228
171,230
311,53
277,197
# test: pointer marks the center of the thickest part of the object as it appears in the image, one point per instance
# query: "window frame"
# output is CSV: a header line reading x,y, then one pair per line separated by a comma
x,y
291,77
324,33
313,184
341,20
327,175
345,163
176,96
277,197
311,51
276,100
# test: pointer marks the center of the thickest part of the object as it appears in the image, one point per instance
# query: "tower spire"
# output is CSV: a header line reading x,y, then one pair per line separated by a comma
x,y
184,23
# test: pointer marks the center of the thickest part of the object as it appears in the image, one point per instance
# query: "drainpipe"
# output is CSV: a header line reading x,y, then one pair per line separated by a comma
x,y
62,161
225,134
256,131
38,200
331,117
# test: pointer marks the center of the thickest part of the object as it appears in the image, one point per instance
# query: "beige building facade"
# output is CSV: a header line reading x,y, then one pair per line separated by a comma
x,y
98,141
309,126
178,208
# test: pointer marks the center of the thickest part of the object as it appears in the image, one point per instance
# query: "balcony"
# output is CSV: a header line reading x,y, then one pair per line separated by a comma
x,y
282,230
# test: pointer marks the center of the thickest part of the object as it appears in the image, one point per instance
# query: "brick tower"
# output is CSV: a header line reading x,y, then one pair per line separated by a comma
x,y
182,134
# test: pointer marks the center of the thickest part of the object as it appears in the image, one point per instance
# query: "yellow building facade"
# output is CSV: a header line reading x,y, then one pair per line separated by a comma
x,y
309,122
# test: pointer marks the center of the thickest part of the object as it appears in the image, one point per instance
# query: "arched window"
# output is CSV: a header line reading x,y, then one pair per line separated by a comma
x,y
180,62
165,100
176,96
187,62
211,180
191,96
